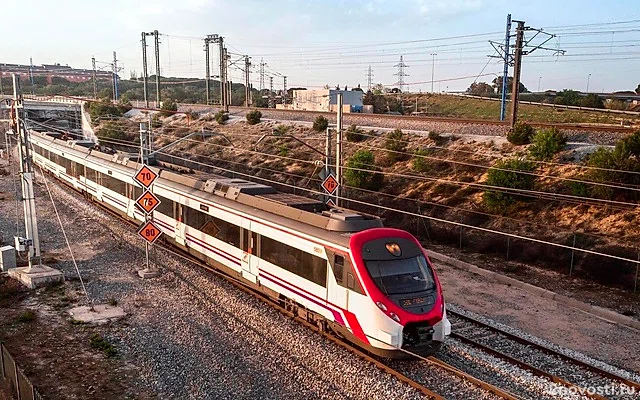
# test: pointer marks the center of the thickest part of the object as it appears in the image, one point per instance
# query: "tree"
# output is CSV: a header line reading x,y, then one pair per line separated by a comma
x,y
169,107
396,146
368,99
568,97
497,84
378,88
357,89
361,171
480,89
320,124
638,89
592,101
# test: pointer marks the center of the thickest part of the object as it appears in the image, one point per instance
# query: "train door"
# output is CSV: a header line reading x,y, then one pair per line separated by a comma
x,y
180,225
336,291
250,260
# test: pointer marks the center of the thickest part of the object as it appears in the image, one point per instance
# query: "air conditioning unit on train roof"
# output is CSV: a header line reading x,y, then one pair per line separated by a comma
x,y
223,186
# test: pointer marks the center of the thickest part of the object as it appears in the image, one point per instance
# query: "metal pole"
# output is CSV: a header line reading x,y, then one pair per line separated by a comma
x,y
247,65
284,90
635,284
207,69
588,79
1,89
339,148
517,68
26,174
145,73
433,66
223,76
573,251
505,74
115,77
157,52
95,78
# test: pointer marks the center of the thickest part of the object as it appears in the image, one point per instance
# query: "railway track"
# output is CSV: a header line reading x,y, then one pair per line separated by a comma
x,y
461,121
572,373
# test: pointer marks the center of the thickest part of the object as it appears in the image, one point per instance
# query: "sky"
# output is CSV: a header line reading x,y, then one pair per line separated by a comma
x,y
315,43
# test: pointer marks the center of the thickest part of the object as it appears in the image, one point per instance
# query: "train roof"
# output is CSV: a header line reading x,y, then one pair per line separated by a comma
x,y
303,214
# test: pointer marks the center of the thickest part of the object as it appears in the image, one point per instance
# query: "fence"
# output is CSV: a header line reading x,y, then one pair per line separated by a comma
x,y
14,380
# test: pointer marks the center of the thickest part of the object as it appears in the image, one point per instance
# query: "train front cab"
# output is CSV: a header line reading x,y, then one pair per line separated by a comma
x,y
406,308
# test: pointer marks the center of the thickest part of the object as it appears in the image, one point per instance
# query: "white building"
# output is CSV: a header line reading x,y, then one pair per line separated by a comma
x,y
326,100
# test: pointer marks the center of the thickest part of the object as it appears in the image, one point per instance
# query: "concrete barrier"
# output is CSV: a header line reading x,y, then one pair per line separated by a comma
x,y
596,311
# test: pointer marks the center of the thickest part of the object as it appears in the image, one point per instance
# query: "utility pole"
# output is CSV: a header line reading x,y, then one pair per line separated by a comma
x,y
157,48
145,73
31,74
505,74
588,79
369,79
284,89
1,89
400,74
247,89
339,102
517,68
95,78
223,76
115,77
433,67
270,90
262,65
33,275
207,81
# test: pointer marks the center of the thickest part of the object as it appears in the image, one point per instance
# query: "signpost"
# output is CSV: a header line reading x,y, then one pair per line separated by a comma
x,y
147,202
330,186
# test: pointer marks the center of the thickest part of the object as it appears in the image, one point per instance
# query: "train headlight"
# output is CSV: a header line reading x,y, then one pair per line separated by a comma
x,y
394,317
381,306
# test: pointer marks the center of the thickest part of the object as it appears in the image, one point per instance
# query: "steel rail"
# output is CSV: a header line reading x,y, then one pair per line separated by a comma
x,y
537,346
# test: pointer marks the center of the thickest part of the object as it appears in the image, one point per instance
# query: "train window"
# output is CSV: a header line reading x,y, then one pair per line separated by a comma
x,y
92,175
294,260
165,207
65,163
338,268
76,169
133,191
114,184
212,226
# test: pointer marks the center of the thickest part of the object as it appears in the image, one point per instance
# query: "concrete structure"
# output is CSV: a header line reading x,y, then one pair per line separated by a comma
x,y
99,314
37,276
326,100
7,258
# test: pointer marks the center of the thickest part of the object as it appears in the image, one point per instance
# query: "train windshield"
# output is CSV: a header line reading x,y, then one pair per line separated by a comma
x,y
404,276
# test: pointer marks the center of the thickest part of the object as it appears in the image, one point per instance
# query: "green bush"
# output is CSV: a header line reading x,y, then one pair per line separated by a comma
x,y
281,130
435,136
104,109
369,178
547,143
355,134
520,134
253,117
396,146
221,117
112,130
100,343
506,174
420,163
631,145
169,107
156,122
610,164
283,150
26,317
320,124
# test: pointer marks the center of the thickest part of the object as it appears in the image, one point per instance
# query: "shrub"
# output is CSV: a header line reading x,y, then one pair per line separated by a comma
x,y
221,117
112,130
26,316
104,109
281,130
520,134
506,174
100,343
395,145
435,136
609,164
169,107
253,117
320,124
283,150
355,134
156,122
546,143
420,163
369,178
630,145
112,302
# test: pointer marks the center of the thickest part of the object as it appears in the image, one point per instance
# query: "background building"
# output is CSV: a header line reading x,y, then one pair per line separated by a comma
x,y
50,71
326,100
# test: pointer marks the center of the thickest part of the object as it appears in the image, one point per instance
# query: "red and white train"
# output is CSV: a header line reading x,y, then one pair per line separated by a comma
x,y
341,270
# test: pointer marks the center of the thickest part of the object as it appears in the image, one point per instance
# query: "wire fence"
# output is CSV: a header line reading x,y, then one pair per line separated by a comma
x,y
14,379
